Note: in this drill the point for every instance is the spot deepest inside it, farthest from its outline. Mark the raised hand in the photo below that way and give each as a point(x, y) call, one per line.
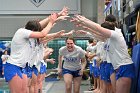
point(60, 33)
point(64, 11)
point(63, 18)
point(69, 33)
point(77, 22)
point(80, 18)
point(53, 17)
point(81, 32)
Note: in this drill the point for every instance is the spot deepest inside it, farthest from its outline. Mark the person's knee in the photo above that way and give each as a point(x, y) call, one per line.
point(76, 91)
point(68, 87)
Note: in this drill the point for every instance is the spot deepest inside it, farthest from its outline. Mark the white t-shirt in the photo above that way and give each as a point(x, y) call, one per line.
point(33, 55)
point(72, 60)
point(20, 48)
point(5, 57)
point(99, 48)
point(100, 51)
point(39, 56)
point(92, 50)
point(117, 52)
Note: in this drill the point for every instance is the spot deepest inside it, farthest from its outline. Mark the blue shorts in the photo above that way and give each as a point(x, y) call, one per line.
point(31, 70)
point(25, 70)
point(102, 71)
point(73, 73)
point(34, 69)
point(91, 69)
point(42, 69)
point(109, 70)
point(125, 71)
point(96, 71)
point(11, 70)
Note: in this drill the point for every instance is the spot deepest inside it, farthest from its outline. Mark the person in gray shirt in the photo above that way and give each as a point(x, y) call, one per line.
point(74, 63)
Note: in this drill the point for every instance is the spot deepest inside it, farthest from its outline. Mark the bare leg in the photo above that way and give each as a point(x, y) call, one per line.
point(113, 82)
point(40, 79)
point(33, 86)
point(68, 83)
point(95, 84)
point(40, 87)
point(98, 85)
point(109, 89)
point(104, 89)
point(77, 83)
point(39, 82)
point(101, 86)
point(17, 84)
point(28, 85)
point(25, 83)
point(123, 85)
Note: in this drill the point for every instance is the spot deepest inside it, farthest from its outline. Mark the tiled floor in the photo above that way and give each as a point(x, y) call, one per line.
point(49, 87)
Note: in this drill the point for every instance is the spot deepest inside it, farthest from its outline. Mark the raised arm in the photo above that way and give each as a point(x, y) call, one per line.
point(63, 12)
point(44, 22)
point(46, 30)
point(52, 36)
point(98, 36)
point(96, 27)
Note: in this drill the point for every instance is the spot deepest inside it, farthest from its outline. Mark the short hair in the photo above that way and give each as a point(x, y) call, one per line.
point(33, 25)
point(70, 38)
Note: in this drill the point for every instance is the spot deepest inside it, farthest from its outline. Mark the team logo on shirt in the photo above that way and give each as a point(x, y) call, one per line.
point(70, 59)
point(37, 3)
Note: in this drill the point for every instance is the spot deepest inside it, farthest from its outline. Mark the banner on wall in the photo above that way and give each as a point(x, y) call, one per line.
point(38, 6)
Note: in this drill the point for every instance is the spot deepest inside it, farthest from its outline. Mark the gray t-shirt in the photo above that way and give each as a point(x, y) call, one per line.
point(72, 60)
